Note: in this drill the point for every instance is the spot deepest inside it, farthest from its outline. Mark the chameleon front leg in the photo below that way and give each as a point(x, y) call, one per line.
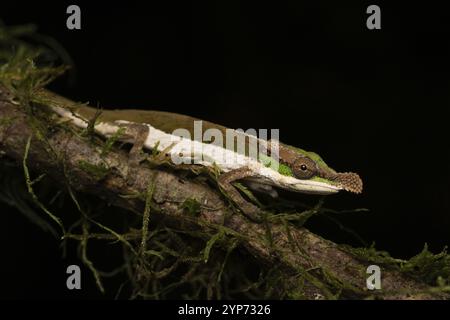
point(136, 134)
point(225, 181)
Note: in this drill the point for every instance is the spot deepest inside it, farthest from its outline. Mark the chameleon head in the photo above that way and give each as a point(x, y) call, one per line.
point(304, 167)
point(314, 173)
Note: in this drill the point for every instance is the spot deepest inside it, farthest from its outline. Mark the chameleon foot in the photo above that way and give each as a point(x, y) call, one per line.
point(225, 182)
point(137, 134)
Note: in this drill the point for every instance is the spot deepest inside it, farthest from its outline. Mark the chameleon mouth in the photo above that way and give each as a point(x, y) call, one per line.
point(348, 181)
point(316, 187)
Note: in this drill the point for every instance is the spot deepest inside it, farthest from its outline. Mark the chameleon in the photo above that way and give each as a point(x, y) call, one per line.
point(280, 166)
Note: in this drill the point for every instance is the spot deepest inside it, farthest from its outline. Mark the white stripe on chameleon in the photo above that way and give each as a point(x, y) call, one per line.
point(225, 159)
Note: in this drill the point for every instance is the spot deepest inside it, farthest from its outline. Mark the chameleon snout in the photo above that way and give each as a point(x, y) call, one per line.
point(349, 181)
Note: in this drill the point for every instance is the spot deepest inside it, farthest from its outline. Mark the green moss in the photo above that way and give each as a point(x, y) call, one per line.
point(111, 140)
point(25, 68)
point(7, 121)
point(191, 206)
point(371, 254)
point(29, 184)
point(99, 171)
point(215, 238)
point(428, 266)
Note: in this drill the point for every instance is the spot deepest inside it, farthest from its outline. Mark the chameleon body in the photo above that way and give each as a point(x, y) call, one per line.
point(297, 170)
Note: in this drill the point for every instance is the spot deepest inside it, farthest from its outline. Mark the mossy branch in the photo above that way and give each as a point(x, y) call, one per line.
point(311, 267)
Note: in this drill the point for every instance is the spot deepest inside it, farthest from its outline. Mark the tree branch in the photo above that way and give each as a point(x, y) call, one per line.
point(296, 251)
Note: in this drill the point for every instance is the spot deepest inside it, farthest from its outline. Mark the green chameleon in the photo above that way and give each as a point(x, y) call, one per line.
point(275, 164)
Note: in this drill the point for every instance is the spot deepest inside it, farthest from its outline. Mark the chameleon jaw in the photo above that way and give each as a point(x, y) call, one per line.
point(315, 187)
point(348, 181)
point(271, 177)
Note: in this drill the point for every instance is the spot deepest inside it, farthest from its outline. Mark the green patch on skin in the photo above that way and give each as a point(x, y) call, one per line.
point(97, 171)
point(320, 179)
point(287, 171)
point(282, 168)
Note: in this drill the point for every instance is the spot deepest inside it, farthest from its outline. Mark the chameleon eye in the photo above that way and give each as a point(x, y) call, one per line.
point(304, 168)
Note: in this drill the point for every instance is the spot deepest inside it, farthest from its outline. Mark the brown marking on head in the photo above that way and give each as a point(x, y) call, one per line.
point(349, 181)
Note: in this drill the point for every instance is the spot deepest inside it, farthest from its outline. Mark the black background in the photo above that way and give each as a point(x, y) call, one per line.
point(371, 101)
